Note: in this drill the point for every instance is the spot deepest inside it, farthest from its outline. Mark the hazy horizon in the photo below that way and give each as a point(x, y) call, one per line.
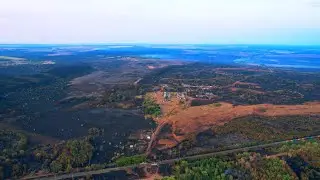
point(214, 22)
point(155, 44)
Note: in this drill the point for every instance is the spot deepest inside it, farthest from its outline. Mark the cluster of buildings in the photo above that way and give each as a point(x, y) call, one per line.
point(139, 141)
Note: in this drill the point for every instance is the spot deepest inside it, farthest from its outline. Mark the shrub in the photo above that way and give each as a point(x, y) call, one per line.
point(137, 159)
point(150, 107)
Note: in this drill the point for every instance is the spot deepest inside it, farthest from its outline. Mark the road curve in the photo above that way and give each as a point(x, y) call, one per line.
point(154, 137)
point(103, 171)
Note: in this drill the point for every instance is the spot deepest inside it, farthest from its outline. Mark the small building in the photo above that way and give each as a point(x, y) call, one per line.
point(181, 96)
point(166, 95)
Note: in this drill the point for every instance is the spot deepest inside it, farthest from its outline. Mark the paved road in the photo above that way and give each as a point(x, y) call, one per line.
point(103, 171)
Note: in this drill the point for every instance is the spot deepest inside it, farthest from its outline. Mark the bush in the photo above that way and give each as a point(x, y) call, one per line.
point(76, 153)
point(217, 104)
point(56, 167)
point(131, 160)
point(150, 107)
point(211, 168)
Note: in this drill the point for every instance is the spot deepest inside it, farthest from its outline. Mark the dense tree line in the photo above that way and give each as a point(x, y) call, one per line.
point(261, 168)
point(13, 147)
point(308, 150)
point(302, 157)
point(290, 161)
point(18, 158)
point(243, 166)
point(212, 168)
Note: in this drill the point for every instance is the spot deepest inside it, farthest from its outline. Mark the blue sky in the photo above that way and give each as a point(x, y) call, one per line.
point(160, 21)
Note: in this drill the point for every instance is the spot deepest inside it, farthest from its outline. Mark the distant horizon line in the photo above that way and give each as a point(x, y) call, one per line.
point(199, 44)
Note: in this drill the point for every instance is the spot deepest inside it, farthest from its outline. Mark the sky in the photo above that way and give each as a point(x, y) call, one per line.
point(161, 21)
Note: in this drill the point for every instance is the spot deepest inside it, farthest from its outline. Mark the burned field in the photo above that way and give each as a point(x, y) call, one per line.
point(58, 106)
point(118, 106)
point(64, 101)
point(97, 100)
point(211, 102)
point(246, 85)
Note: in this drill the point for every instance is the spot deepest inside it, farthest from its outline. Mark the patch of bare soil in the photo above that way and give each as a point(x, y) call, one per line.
point(151, 67)
point(199, 118)
point(162, 65)
point(153, 177)
point(166, 143)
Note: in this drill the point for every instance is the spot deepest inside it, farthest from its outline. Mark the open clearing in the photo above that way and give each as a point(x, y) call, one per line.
point(192, 120)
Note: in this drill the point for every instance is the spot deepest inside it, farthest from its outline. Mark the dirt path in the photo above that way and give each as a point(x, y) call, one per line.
point(137, 81)
point(167, 108)
point(154, 137)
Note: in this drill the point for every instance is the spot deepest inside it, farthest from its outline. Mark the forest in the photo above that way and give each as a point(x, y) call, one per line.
point(18, 158)
point(286, 162)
